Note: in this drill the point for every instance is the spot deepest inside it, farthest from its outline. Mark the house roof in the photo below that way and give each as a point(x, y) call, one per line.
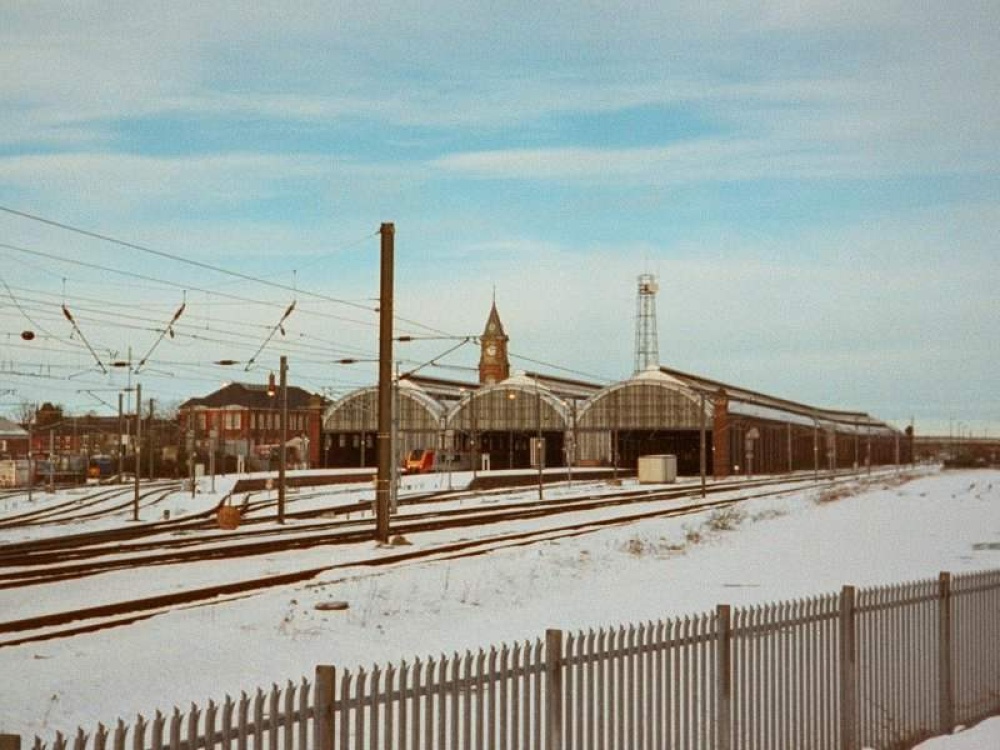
point(10, 429)
point(249, 395)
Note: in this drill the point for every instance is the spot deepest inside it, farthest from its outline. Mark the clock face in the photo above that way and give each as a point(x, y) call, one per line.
point(491, 350)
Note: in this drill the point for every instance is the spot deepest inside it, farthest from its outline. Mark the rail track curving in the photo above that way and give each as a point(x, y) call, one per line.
point(196, 539)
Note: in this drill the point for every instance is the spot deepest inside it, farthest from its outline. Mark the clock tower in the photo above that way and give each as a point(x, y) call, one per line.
point(493, 363)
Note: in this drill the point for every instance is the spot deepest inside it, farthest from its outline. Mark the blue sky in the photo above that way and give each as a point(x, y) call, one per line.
point(815, 184)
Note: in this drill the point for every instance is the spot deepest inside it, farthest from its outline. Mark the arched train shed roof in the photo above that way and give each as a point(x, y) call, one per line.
point(516, 404)
point(748, 403)
point(358, 411)
point(652, 400)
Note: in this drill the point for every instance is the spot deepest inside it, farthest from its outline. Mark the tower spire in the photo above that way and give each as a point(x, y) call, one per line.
point(494, 364)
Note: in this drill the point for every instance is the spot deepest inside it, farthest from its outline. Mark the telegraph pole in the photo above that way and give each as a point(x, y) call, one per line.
point(384, 446)
point(138, 449)
point(283, 385)
point(149, 429)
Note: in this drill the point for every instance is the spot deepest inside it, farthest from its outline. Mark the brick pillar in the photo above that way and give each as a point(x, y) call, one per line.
point(720, 436)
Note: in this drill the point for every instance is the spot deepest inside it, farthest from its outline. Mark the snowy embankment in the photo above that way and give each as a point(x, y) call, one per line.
point(794, 546)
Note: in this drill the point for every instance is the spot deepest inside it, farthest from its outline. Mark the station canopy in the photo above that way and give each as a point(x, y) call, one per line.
point(520, 404)
point(651, 400)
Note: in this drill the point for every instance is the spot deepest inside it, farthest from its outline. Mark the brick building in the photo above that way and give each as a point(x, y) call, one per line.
point(245, 421)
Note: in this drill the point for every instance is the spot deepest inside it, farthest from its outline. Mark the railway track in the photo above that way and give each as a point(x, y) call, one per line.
point(43, 569)
point(167, 543)
point(101, 502)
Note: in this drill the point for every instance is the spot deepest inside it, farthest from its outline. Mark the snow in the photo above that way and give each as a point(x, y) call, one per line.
point(885, 530)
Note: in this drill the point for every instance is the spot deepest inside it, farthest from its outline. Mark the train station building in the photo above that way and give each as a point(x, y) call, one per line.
point(507, 420)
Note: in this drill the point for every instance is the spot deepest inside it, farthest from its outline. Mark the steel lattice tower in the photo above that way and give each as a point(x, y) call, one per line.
point(647, 352)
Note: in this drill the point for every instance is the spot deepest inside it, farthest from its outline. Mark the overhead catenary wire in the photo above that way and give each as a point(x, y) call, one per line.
point(172, 256)
point(97, 309)
point(578, 373)
point(201, 264)
point(275, 329)
point(69, 317)
point(17, 304)
point(169, 328)
point(231, 338)
point(162, 282)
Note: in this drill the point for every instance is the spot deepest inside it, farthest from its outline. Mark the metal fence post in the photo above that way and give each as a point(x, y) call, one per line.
point(553, 689)
point(723, 677)
point(848, 672)
point(10, 742)
point(323, 707)
point(946, 688)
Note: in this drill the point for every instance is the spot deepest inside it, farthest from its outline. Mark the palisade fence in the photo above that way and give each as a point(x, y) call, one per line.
point(877, 668)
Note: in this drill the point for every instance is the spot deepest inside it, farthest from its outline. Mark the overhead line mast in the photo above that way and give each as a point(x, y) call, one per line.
point(647, 353)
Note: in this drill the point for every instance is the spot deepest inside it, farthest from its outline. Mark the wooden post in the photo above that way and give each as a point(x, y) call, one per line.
point(946, 688)
point(553, 689)
point(10, 742)
point(325, 692)
point(384, 438)
point(723, 676)
point(848, 671)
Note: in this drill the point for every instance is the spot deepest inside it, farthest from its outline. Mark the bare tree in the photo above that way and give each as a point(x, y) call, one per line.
point(24, 413)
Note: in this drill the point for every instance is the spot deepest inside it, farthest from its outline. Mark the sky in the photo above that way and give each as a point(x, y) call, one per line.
point(815, 184)
point(879, 532)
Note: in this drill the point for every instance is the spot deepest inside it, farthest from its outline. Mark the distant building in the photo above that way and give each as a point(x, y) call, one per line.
point(62, 438)
point(510, 420)
point(13, 439)
point(244, 419)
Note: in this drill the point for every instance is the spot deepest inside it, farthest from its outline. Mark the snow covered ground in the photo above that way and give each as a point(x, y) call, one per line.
point(776, 549)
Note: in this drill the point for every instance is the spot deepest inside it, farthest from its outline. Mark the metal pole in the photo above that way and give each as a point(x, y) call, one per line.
point(212, 446)
point(571, 451)
point(475, 436)
point(701, 445)
point(868, 448)
point(138, 449)
point(384, 476)
point(192, 454)
point(791, 467)
point(539, 450)
point(283, 384)
point(614, 438)
point(815, 450)
point(52, 460)
point(118, 449)
point(31, 462)
point(150, 431)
